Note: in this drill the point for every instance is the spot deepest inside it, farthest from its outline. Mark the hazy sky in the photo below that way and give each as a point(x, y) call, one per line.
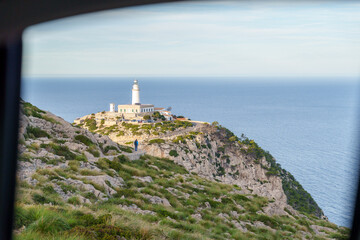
point(221, 38)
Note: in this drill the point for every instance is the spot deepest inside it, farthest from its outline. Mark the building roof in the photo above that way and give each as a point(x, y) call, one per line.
point(147, 105)
point(158, 109)
point(135, 105)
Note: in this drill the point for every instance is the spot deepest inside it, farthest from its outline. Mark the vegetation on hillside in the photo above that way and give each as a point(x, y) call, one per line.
point(126, 128)
point(66, 193)
point(197, 209)
point(30, 110)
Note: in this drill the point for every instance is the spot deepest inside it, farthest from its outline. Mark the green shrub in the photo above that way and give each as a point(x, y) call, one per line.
point(48, 189)
point(89, 172)
point(240, 198)
point(121, 133)
point(49, 223)
point(106, 232)
point(85, 140)
point(93, 151)
point(49, 119)
point(109, 147)
point(35, 132)
point(122, 158)
point(179, 139)
point(63, 151)
point(40, 199)
point(81, 158)
point(173, 153)
point(24, 157)
point(90, 196)
point(115, 164)
point(102, 163)
point(91, 124)
point(157, 140)
point(31, 110)
point(74, 200)
point(67, 188)
point(169, 165)
point(125, 148)
point(59, 141)
point(23, 217)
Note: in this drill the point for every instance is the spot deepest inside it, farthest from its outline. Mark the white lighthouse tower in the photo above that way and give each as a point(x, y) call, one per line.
point(135, 93)
point(112, 107)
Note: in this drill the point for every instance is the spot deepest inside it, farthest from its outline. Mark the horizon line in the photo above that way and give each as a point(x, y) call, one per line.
point(183, 76)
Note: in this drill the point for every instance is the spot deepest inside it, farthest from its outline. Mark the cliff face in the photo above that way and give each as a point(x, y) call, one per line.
point(75, 184)
point(215, 153)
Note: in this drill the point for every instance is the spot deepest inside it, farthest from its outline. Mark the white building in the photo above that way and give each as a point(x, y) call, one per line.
point(136, 110)
point(167, 114)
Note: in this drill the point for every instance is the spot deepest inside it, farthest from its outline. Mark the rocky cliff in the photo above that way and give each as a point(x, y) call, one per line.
point(75, 184)
point(216, 153)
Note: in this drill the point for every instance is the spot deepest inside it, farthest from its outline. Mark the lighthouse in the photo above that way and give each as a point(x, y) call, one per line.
point(135, 93)
point(135, 109)
point(112, 107)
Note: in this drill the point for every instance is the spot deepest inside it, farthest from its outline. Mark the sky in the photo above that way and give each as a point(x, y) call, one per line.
point(201, 38)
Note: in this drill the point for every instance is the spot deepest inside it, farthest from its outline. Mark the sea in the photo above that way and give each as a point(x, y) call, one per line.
point(311, 126)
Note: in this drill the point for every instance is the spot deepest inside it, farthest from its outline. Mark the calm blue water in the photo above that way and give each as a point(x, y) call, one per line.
point(311, 129)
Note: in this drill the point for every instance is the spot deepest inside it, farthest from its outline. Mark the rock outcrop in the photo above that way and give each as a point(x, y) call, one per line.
point(216, 153)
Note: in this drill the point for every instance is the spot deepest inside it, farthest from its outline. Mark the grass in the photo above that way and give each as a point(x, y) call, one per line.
point(67, 188)
point(81, 158)
point(74, 200)
point(125, 148)
point(31, 110)
point(35, 132)
point(157, 140)
point(106, 219)
point(91, 124)
point(59, 150)
point(93, 150)
point(108, 148)
point(50, 119)
point(24, 157)
point(89, 172)
point(42, 199)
